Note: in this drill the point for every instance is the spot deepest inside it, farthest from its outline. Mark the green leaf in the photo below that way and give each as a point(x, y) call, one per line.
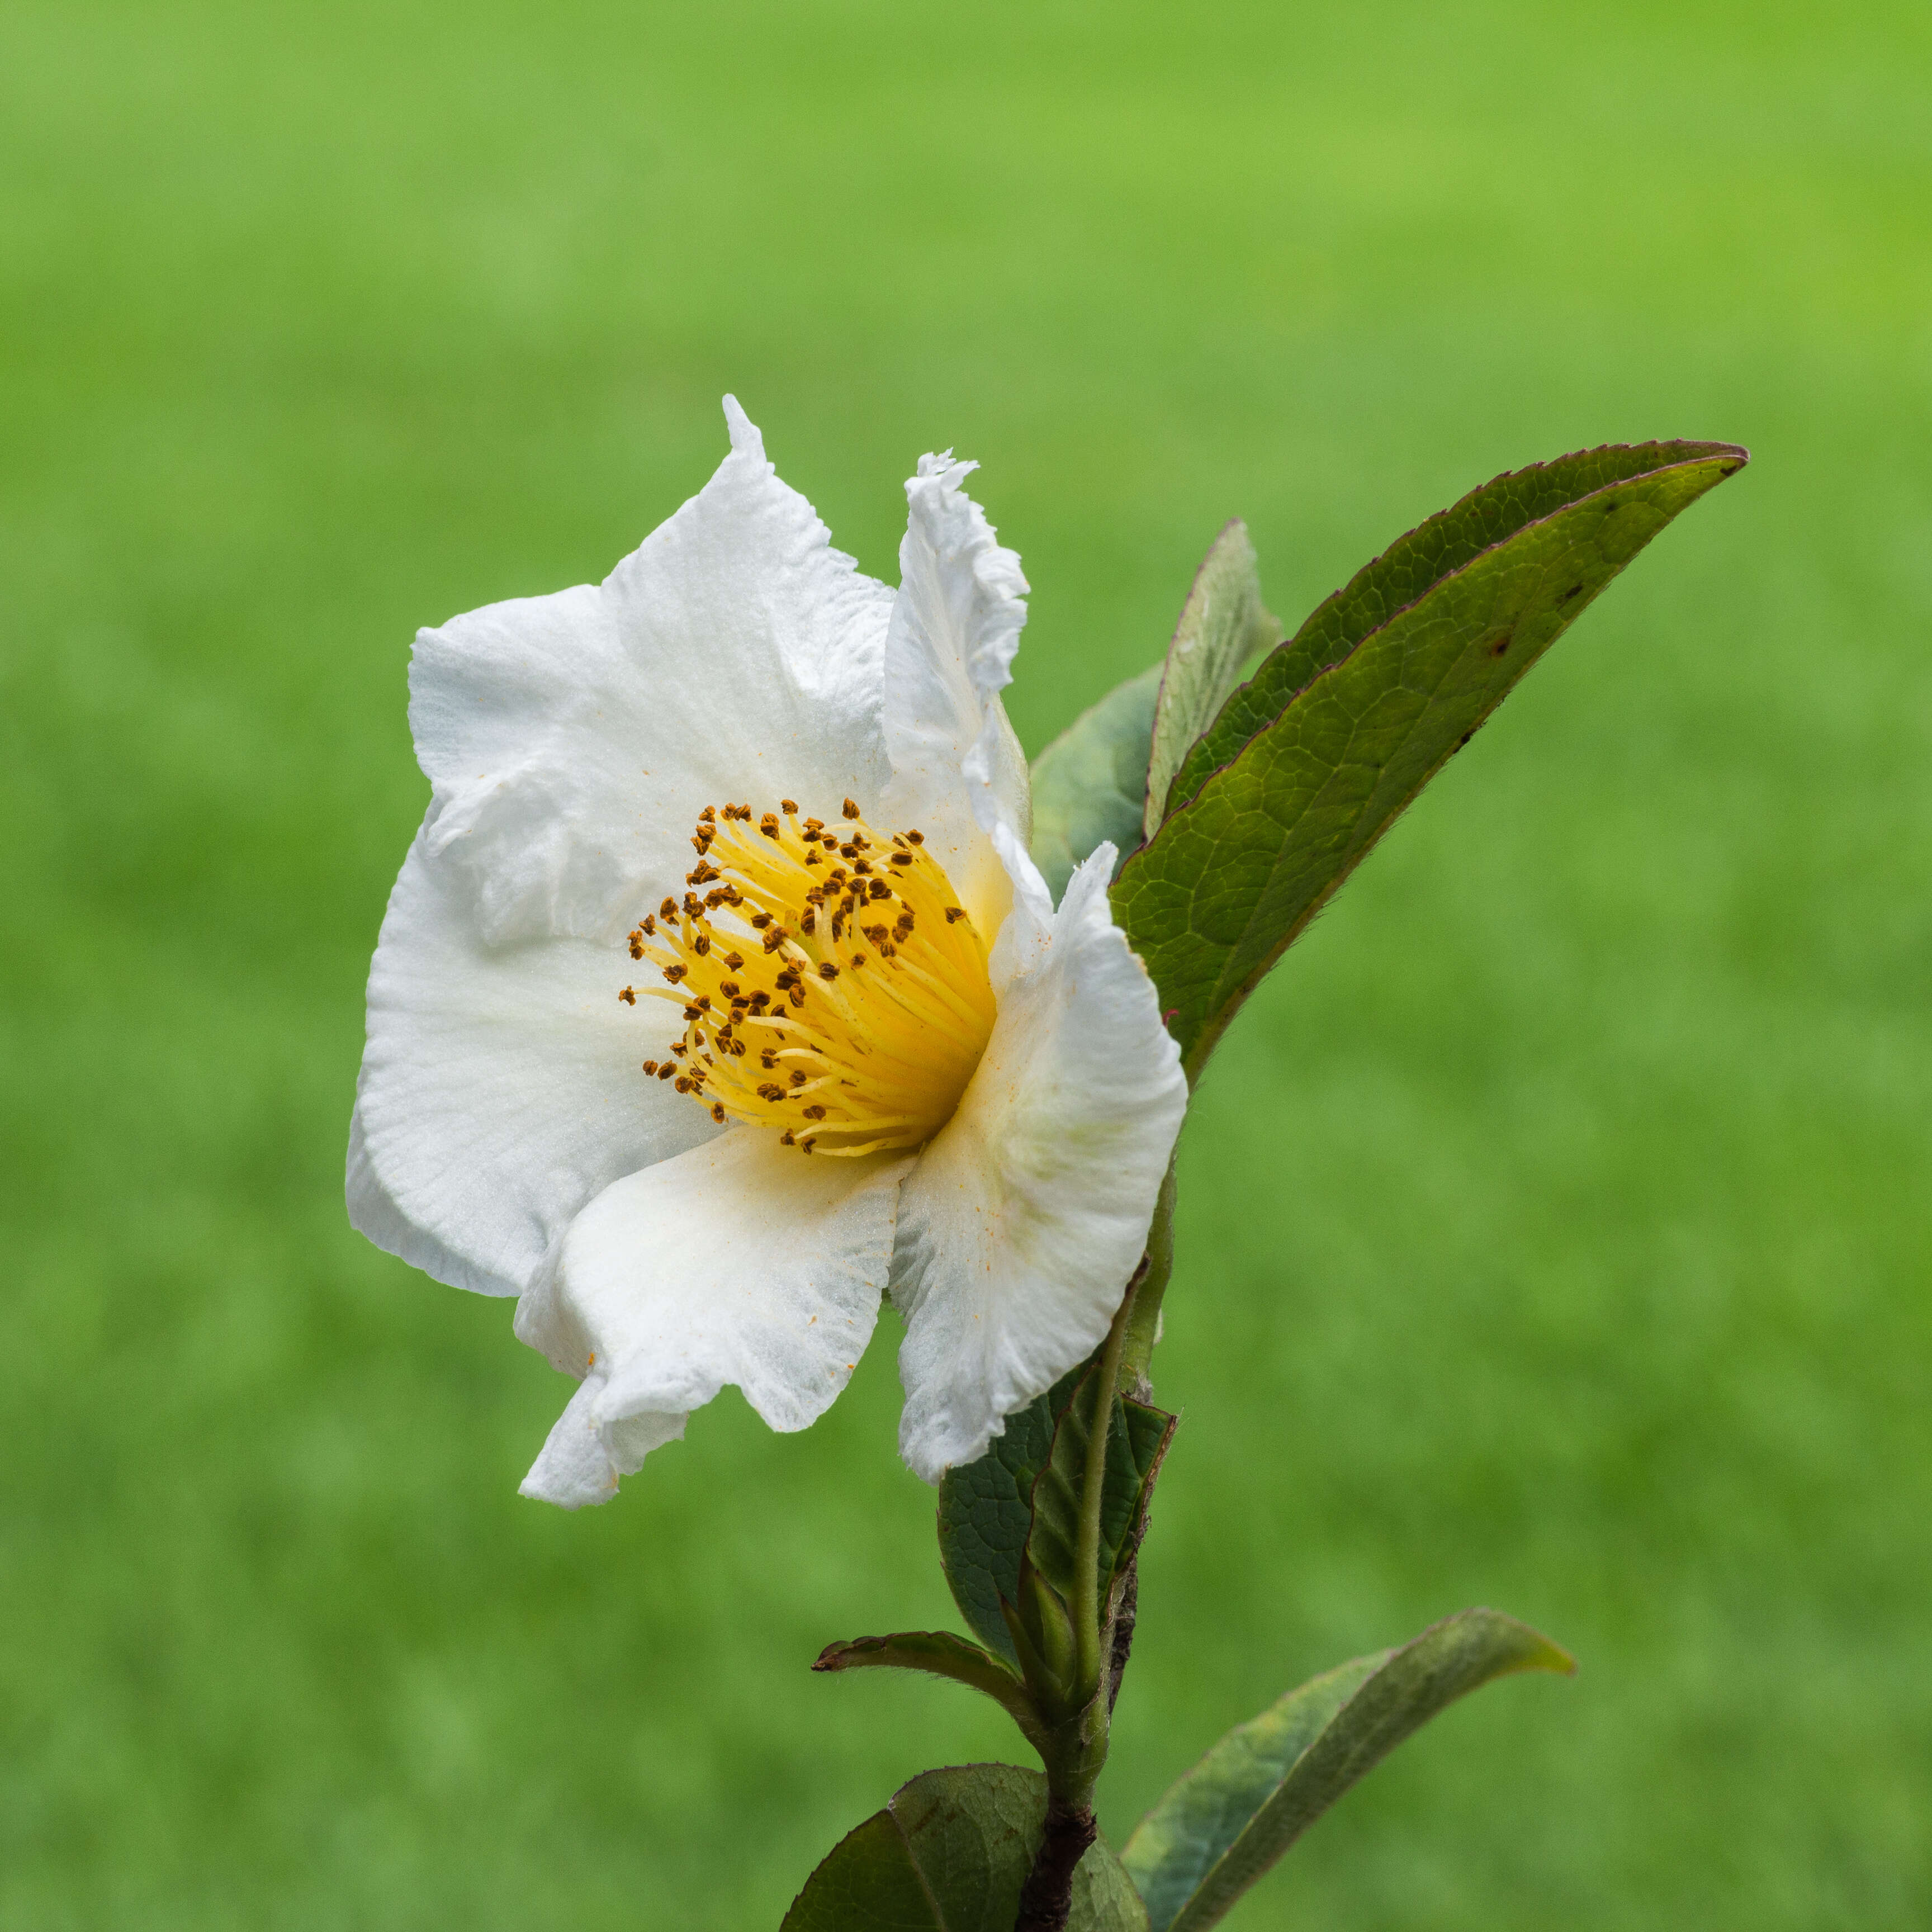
point(1312, 760)
point(1134, 1458)
point(1136, 1440)
point(985, 1515)
point(938, 1654)
point(1225, 1823)
point(950, 1854)
point(1090, 785)
point(1223, 623)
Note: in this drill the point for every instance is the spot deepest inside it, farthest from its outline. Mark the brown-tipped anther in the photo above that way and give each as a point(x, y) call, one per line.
point(650, 1067)
point(702, 1002)
point(915, 837)
point(851, 810)
point(704, 874)
point(771, 1091)
point(796, 996)
point(669, 1068)
point(629, 996)
point(954, 914)
point(799, 1079)
point(787, 1139)
point(858, 959)
point(814, 1112)
point(701, 945)
point(650, 926)
point(637, 946)
point(693, 905)
point(735, 960)
point(683, 1083)
point(879, 889)
point(730, 989)
point(708, 815)
point(768, 1059)
point(761, 919)
point(901, 859)
point(668, 910)
point(718, 1112)
point(827, 970)
point(675, 971)
point(789, 806)
point(768, 825)
point(814, 825)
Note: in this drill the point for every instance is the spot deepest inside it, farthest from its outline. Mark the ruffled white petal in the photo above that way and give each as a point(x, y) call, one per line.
point(1019, 1228)
point(582, 1458)
point(741, 1261)
point(958, 771)
point(500, 1089)
point(570, 742)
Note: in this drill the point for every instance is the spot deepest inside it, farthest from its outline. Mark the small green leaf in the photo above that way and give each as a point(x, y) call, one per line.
point(1227, 1821)
point(1136, 1441)
point(1312, 760)
point(1223, 623)
point(938, 1654)
point(1134, 1458)
point(1090, 785)
point(985, 1515)
point(950, 1853)
point(1056, 1491)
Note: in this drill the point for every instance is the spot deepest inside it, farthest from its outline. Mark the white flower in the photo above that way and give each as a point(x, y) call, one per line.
point(885, 1059)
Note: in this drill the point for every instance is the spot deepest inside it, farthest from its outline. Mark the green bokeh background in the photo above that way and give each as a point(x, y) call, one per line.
point(1554, 1225)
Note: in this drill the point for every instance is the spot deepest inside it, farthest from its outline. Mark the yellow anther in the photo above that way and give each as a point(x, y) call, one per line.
point(876, 1059)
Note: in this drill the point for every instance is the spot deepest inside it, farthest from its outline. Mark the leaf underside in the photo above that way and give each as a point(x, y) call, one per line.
point(1223, 623)
point(1226, 1821)
point(985, 1515)
point(950, 1853)
point(1019, 1500)
point(1136, 1438)
point(1309, 762)
point(1090, 785)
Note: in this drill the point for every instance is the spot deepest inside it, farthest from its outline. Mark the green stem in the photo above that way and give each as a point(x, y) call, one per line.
point(1087, 1546)
point(1144, 1320)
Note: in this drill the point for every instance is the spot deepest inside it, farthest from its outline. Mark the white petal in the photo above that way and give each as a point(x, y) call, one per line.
point(501, 1088)
point(582, 1458)
point(572, 740)
point(741, 1261)
point(1024, 1218)
point(957, 770)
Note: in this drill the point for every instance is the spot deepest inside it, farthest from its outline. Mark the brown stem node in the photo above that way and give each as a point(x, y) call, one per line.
point(1047, 1899)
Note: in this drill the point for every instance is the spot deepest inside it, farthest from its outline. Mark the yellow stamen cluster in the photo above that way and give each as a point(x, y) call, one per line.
point(831, 987)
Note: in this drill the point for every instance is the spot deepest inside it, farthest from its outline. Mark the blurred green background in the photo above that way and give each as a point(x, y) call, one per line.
point(1555, 1226)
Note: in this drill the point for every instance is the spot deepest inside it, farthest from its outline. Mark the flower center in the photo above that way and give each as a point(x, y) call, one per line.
point(831, 985)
